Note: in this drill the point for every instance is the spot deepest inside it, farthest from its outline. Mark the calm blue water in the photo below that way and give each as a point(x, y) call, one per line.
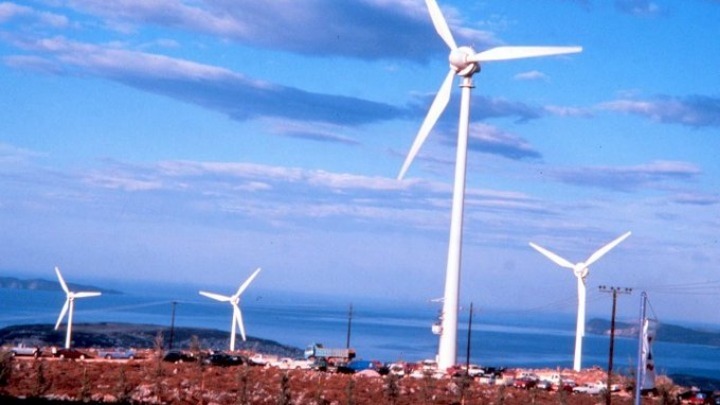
point(380, 330)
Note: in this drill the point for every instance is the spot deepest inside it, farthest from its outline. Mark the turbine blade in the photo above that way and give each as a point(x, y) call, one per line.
point(63, 311)
point(238, 316)
point(62, 282)
point(440, 23)
point(216, 297)
point(436, 109)
point(247, 283)
point(597, 255)
point(552, 256)
point(520, 52)
point(86, 294)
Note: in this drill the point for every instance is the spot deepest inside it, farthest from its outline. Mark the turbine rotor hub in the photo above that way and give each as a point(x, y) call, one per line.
point(581, 270)
point(459, 61)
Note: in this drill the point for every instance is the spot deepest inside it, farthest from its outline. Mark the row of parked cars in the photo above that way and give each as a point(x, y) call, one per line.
point(63, 353)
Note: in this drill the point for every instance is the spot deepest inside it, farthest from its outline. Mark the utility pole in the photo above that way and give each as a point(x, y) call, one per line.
point(172, 325)
point(350, 314)
point(467, 355)
point(614, 291)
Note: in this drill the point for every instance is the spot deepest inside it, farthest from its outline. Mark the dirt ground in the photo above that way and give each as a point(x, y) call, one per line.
point(153, 381)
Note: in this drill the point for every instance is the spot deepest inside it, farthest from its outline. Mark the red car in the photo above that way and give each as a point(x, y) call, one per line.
point(70, 354)
point(524, 383)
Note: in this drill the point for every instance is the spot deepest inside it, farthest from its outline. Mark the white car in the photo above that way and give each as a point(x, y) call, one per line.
point(475, 371)
point(262, 359)
point(287, 363)
point(591, 388)
point(23, 350)
point(398, 369)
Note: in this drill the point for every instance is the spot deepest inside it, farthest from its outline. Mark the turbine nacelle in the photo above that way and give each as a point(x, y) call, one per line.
point(581, 270)
point(460, 63)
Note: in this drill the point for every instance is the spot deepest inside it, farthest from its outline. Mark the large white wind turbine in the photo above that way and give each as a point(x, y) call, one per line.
point(234, 300)
point(464, 62)
point(70, 305)
point(581, 271)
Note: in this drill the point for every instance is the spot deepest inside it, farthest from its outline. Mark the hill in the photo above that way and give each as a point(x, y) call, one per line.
point(48, 285)
point(108, 335)
point(665, 332)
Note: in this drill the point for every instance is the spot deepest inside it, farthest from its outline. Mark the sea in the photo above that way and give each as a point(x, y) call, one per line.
point(379, 329)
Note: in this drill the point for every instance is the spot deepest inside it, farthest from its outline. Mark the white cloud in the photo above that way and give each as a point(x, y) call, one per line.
point(531, 75)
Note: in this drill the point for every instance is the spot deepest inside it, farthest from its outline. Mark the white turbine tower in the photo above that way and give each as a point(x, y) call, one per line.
point(581, 271)
point(234, 300)
point(70, 305)
point(464, 62)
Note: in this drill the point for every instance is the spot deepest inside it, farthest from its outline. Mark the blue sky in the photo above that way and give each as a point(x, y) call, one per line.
point(195, 140)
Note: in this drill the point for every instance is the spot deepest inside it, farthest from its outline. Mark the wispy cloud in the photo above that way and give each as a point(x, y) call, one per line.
point(215, 88)
point(366, 29)
point(27, 15)
point(314, 131)
point(532, 75)
point(641, 8)
point(11, 155)
point(629, 178)
point(702, 199)
point(489, 139)
point(693, 111)
point(263, 195)
point(564, 111)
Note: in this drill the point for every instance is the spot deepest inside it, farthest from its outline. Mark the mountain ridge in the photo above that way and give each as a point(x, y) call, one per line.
point(42, 284)
point(665, 332)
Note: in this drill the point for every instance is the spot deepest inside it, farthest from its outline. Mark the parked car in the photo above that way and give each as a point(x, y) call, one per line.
point(22, 350)
point(259, 359)
point(524, 383)
point(286, 363)
point(223, 359)
point(178, 356)
point(544, 385)
point(696, 397)
point(461, 370)
point(591, 388)
point(360, 365)
point(487, 379)
point(70, 354)
point(397, 369)
point(566, 385)
point(117, 354)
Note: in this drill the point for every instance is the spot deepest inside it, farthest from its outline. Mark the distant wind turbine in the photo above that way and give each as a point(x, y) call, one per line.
point(464, 62)
point(70, 305)
point(581, 271)
point(234, 300)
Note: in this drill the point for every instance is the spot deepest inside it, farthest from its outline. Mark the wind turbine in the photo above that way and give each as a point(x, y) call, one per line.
point(70, 305)
point(581, 271)
point(234, 300)
point(464, 62)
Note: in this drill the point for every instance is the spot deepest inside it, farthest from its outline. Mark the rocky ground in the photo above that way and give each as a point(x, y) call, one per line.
point(150, 380)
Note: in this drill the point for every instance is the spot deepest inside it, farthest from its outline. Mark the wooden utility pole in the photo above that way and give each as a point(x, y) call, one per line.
point(467, 355)
point(172, 325)
point(350, 314)
point(614, 291)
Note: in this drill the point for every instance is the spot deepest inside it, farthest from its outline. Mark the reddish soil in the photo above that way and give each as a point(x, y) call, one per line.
point(153, 381)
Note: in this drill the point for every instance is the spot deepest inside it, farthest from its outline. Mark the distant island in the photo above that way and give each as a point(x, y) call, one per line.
point(138, 336)
point(48, 285)
point(665, 332)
